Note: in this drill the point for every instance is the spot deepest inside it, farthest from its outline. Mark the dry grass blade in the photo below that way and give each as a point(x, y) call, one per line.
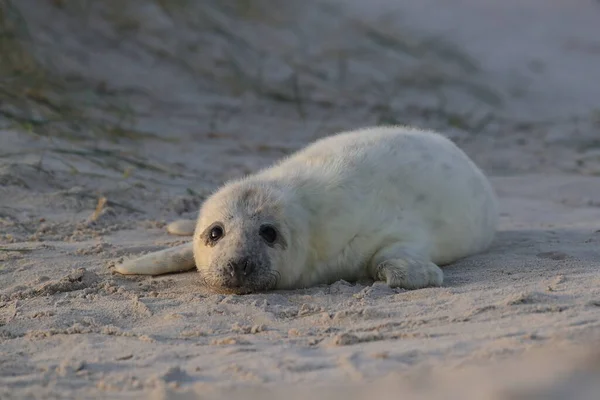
point(99, 207)
point(17, 249)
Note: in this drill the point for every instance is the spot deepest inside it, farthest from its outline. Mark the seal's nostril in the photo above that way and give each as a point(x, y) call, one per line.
point(248, 268)
point(230, 269)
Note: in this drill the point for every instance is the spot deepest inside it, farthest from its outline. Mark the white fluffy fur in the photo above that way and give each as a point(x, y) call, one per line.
point(391, 203)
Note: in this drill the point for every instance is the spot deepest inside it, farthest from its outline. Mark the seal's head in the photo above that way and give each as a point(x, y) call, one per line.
point(250, 236)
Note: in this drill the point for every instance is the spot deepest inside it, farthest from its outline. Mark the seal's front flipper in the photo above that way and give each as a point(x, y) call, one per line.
point(407, 273)
point(174, 259)
point(182, 227)
point(400, 267)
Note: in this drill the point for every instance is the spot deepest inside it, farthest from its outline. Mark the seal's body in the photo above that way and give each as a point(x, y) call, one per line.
point(390, 203)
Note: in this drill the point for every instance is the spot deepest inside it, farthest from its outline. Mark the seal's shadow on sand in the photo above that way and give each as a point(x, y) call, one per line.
point(528, 254)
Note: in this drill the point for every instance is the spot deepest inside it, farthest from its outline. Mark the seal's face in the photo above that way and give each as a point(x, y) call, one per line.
point(241, 240)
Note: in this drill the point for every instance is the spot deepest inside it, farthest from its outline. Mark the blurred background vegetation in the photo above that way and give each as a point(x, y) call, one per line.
point(88, 69)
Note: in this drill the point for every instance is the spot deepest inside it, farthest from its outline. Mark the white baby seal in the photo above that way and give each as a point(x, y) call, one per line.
point(389, 203)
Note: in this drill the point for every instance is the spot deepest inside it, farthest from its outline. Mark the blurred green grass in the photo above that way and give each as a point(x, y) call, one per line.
point(300, 56)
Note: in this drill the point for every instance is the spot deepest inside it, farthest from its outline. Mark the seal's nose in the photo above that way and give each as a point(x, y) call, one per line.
point(239, 269)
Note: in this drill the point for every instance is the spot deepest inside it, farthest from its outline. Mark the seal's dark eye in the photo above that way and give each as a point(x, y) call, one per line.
point(215, 233)
point(268, 233)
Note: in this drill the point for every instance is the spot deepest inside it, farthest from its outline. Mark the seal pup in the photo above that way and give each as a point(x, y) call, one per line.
point(388, 203)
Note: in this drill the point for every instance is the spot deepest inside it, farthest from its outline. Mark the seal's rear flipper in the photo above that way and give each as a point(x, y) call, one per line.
point(182, 227)
point(174, 259)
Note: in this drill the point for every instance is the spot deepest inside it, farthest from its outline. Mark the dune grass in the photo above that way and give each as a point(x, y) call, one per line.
point(275, 50)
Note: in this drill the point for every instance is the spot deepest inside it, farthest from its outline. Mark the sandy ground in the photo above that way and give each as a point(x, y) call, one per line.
point(142, 111)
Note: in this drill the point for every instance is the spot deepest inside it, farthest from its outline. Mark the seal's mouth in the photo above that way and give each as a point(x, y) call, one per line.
point(227, 290)
point(224, 284)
